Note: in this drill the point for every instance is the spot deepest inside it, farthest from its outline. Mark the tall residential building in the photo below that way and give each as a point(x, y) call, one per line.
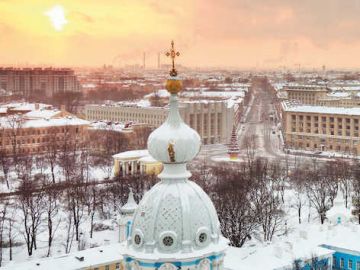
point(41, 81)
point(321, 128)
point(213, 120)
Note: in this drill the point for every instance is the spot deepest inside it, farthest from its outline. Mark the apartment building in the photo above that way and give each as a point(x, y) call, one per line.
point(37, 131)
point(321, 128)
point(306, 94)
point(31, 81)
point(212, 119)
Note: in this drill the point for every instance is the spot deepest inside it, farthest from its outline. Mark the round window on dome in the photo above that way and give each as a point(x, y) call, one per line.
point(168, 241)
point(202, 237)
point(137, 239)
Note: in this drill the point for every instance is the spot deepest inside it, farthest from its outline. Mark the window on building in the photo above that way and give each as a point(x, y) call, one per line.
point(350, 265)
point(117, 266)
point(357, 265)
point(107, 267)
point(342, 263)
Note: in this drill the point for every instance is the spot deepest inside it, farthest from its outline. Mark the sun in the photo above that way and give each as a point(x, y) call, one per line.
point(57, 17)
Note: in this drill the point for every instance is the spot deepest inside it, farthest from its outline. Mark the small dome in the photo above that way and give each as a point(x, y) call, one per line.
point(165, 221)
point(174, 141)
point(130, 206)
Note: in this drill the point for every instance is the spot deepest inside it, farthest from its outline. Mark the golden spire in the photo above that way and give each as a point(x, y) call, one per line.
point(173, 84)
point(172, 54)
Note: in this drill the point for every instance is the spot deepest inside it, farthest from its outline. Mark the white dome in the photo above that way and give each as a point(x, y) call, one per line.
point(166, 220)
point(175, 220)
point(174, 136)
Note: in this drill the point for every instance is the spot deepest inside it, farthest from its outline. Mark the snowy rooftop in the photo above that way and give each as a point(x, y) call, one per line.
point(271, 257)
point(135, 154)
point(110, 126)
point(38, 123)
point(320, 109)
point(91, 258)
point(43, 113)
point(25, 106)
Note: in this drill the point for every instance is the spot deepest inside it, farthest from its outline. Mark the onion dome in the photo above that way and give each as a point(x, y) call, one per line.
point(176, 223)
point(130, 206)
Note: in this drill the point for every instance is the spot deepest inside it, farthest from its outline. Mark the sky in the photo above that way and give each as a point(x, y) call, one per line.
point(208, 33)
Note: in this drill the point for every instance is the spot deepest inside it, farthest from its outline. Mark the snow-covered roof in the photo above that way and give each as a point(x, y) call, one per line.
point(109, 126)
point(92, 257)
point(38, 123)
point(273, 256)
point(25, 106)
point(42, 113)
point(133, 154)
point(338, 94)
point(320, 109)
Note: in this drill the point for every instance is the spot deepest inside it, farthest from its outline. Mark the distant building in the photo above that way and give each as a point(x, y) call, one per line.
point(306, 94)
point(135, 162)
point(321, 128)
point(41, 81)
point(212, 119)
point(35, 128)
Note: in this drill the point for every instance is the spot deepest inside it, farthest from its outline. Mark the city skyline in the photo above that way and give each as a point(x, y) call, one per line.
point(242, 34)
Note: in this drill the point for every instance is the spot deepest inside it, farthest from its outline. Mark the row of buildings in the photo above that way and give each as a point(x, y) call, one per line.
point(35, 128)
point(320, 118)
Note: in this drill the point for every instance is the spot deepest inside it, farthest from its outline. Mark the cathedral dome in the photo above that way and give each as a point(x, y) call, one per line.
point(165, 221)
point(175, 225)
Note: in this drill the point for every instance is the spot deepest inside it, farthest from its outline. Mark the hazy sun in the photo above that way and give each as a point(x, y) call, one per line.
point(57, 17)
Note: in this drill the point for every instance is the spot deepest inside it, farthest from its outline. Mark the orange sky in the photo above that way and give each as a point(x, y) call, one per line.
point(237, 33)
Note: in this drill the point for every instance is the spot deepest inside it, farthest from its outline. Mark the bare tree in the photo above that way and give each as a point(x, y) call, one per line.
point(92, 202)
point(321, 190)
point(356, 191)
point(3, 216)
point(232, 199)
point(298, 184)
point(75, 197)
point(52, 195)
point(267, 199)
point(52, 153)
point(31, 204)
point(70, 233)
point(344, 178)
point(5, 165)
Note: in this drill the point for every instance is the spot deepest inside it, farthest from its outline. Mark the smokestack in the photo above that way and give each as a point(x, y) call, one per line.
point(144, 61)
point(158, 63)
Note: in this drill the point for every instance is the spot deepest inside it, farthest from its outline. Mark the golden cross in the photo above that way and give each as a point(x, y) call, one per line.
point(172, 53)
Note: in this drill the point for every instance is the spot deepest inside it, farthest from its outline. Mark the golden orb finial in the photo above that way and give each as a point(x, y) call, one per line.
point(173, 85)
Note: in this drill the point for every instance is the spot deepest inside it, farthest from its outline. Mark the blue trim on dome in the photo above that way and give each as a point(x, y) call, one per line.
point(176, 263)
point(128, 229)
